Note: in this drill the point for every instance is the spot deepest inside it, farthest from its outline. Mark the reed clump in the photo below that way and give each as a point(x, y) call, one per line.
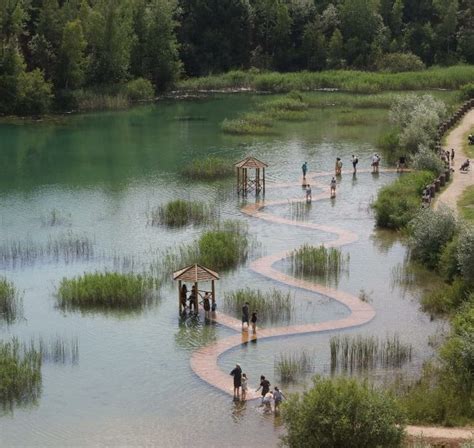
point(11, 302)
point(320, 261)
point(272, 306)
point(358, 353)
point(291, 366)
point(180, 213)
point(57, 350)
point(107, 290)
point(300, 210)
point(208, 168)
point(20, 374)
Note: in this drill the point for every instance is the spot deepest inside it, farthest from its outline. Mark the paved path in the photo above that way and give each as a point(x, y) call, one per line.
point(461, 181)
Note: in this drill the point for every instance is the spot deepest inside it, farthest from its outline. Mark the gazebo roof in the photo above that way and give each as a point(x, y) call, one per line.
point(195, 273)
point(250, 162)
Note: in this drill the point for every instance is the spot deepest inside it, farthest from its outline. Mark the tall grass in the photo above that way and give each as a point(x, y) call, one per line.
point(466, 203)
point(11, 302)
point(208, 168)
point(319, 261)
point(300, 210)
point(272, 306)
point(291, 366)
point(179, 213)
point(106, 291)
point(347, 80)
point(66, 247)
point(58, 349)
point(368, 352)
point(20, 374)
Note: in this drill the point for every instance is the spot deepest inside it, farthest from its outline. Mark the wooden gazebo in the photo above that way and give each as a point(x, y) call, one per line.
point(246, 183)
point(195, 274)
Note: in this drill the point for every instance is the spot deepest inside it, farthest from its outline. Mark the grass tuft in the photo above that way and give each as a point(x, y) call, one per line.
point(11, 302)
point(291, 366)
point(180, 213)
point(208, 168)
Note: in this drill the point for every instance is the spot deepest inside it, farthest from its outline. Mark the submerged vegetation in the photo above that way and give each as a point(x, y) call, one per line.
point(208, 168)
point(319, 261)
point(179, 213)
point(272, 306)
point(291, 366)
point(20, 374)
point(368, 352)
point(104, 291)
point(11, 302)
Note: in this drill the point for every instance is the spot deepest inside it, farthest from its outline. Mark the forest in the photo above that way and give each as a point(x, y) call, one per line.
point(56, 53)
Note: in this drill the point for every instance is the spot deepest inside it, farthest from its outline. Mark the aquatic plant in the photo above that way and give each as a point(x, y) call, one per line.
point(208, 168)
point(179, 213)
point(321, 261)
point(272, 306)
point(11, 302)
point(349, 353)
point(107, 290)
point(300, 210)
point(257, 125)
point(57, 349)
point(55, 218)
point(291, 366)
point(20, 374)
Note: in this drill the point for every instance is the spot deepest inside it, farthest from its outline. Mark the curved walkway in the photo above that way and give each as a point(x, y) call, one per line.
point(461, 181)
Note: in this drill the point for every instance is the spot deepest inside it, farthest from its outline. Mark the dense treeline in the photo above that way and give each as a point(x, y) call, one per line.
point(51, 48)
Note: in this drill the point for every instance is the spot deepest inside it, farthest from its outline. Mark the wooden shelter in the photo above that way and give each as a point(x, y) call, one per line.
point(246, 183)
point(195, 274)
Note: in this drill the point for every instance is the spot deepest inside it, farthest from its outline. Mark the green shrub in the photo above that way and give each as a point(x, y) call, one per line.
point(399, 62)
point(34, 94)
point(208, 168)
point(466, 254)
point(389, 141)
point(179, 213)
point(445, 299)
point(398, 203)
point(430, 231)
point(426, 160)
point(448, 265)
point(108, 290)
point(20, 374)
point(342, 412)
point(467, 91)
point(466, 203)
point(139, 89)
point(11, 303)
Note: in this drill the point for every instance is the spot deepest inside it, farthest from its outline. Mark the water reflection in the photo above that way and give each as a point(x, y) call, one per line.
point(194, 331)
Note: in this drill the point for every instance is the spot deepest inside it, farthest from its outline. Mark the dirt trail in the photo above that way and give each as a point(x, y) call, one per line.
point(461, 181)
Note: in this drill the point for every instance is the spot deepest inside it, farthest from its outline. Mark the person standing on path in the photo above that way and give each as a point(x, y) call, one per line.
point(253, 320)
point(452, 156)
point(333, 187)
point(237, 374)
point(355, 161)
point(245, 315)
point(338, 167)
point(304, 168)
point(309, 197)
point(264, 385)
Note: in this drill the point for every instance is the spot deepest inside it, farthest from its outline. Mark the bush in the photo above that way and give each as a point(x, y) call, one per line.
point(430, 231)
point(342, 412)
point(448, 265)
point(108, 290)
point(466, 254)
point(446, 299)
point(426, 160)
point(397, 203)
point(139, 89)
point(34, 94)
point(467, 91)
point(399, 62)
point(11, 305)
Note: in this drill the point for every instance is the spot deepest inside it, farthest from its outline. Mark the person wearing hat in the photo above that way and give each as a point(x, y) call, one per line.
point(237, 374)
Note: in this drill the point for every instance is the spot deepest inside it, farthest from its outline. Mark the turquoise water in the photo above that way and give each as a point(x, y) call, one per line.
point(102, 174)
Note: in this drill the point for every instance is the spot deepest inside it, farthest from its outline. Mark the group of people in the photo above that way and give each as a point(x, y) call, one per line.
point(208, 302)
point(246, 319)
point(269, 397)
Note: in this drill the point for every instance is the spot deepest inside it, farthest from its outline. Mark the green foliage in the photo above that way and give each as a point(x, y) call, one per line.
point(448, 264)
point(397, 203)
point(466, 254)
point(20, 374)
point(467, 91)
point(319, 261)
point(426, 159)
point(466, 203)
point(430, 231)
point(179, 213)
point(444, 300)
point(291, 366)
point(272, 306)
point(208, 168)
point(11, 302)
point(389, 141)
point(33, 94)
point(399, 62)
point(342, 412)
point(105, 291)
point(139, 90)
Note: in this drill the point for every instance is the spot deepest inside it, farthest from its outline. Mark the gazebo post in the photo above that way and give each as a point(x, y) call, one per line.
point(179, 297)
point(196, 300)
point(213, 286)
point(263, 180)
point(238, 180)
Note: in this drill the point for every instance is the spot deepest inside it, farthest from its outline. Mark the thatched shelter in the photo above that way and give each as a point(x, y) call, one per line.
point(195, 274)
point(246, 183)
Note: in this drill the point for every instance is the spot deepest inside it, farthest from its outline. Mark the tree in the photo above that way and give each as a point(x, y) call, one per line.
point(336, 50)
point(341, 412)
point(445, 31)
point(34, 93)
point(70, 71)
point(314, 45)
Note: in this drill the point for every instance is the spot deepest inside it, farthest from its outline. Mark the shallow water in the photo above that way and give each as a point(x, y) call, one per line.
point(102, 173)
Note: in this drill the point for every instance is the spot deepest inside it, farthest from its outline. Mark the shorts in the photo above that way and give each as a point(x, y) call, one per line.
point(245, 319)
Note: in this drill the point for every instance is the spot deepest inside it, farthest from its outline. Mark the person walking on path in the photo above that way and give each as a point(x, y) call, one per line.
point(245, 385)
point(452, 156)
point(333, 187)
point(278, 397)
point(237, 374)
point(309, 197)
point(355, 161)
point(375, 163)
point(304, 168)
point(253, 321)
point(264, 385)
point(338, 167)
point(245, 315)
